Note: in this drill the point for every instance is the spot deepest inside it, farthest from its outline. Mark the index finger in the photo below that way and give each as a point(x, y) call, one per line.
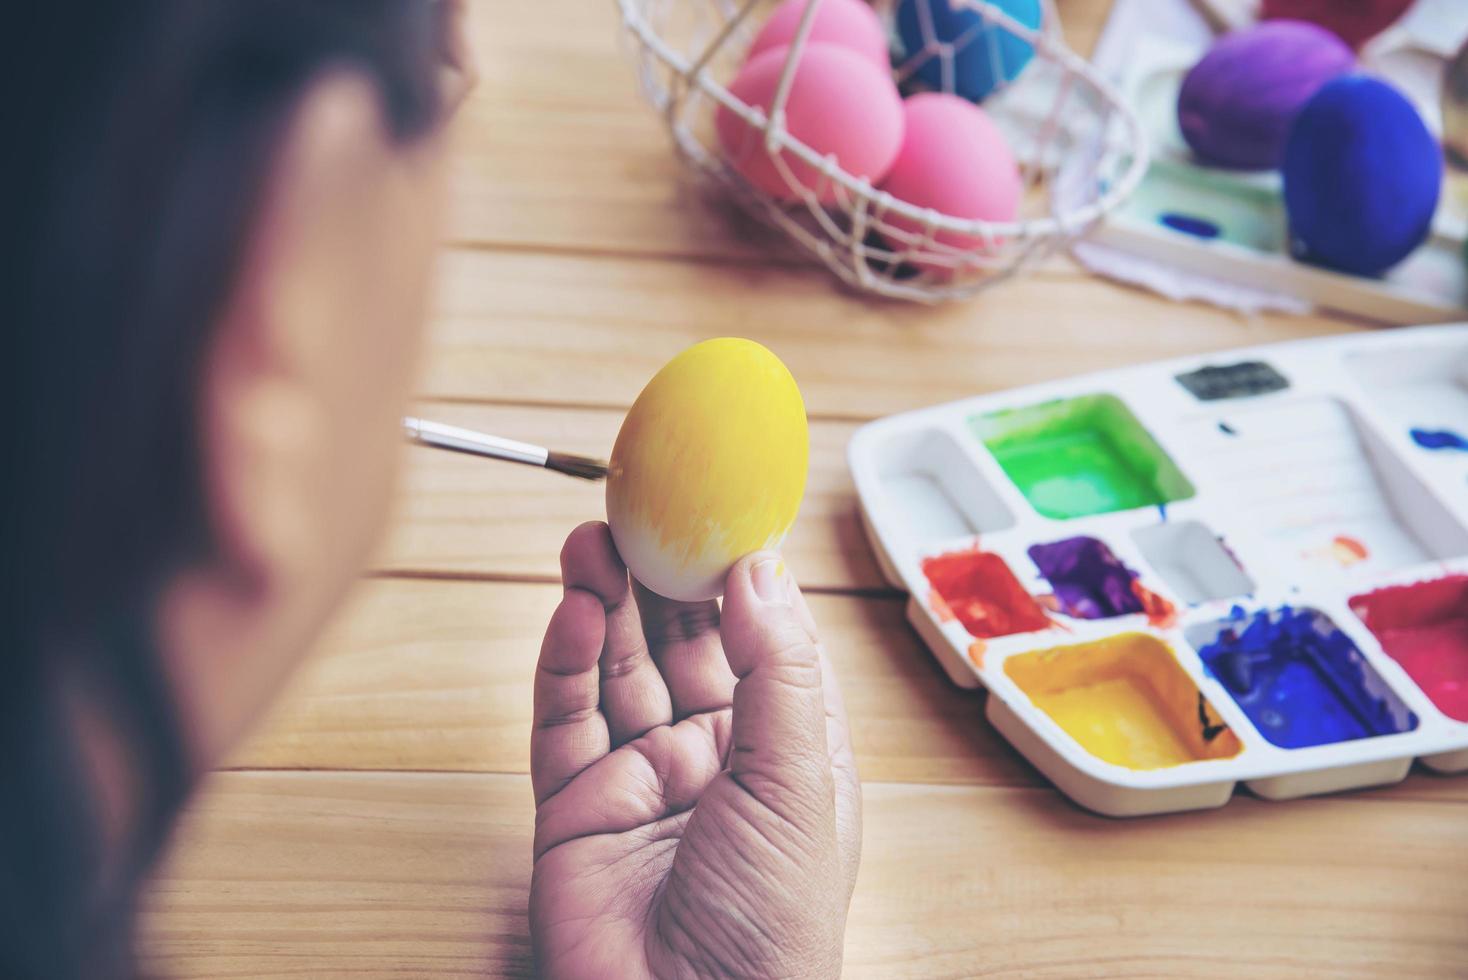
point(683, 638)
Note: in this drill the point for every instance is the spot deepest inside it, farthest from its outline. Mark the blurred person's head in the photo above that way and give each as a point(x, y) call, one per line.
point(220, 221)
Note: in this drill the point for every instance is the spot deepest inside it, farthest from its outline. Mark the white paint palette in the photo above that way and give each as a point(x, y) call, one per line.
point(1247, 568)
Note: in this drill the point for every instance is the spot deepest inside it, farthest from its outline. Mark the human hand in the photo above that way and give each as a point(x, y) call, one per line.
point(697, 806)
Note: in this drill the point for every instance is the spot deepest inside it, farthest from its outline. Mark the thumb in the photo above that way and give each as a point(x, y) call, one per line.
point(779, 728)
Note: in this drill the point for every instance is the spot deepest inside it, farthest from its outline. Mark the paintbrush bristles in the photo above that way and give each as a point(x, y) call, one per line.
point(583, 467)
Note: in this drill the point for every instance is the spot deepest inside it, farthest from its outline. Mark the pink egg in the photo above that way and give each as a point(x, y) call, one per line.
point(955, 161)
point(847, 23)
point(840, 105)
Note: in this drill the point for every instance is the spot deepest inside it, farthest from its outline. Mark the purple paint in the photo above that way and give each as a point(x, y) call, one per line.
point(1439, 439)
point(1089, 581)
point(1301, 681)
point(1237, 103)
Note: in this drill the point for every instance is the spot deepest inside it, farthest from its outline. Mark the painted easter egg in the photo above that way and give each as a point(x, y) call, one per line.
point(1362, 176)
point(1236, 105)
point(964, 53)
point(954, 160)
point(840, 105)
point(1353, 21)
point(709, 466)
point(845, 23)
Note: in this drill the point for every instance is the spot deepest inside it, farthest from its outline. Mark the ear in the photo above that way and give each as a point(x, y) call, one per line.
point(265, 413)
point(299, 399)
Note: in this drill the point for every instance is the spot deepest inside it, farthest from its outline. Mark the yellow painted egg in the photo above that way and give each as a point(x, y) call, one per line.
point(709, 466)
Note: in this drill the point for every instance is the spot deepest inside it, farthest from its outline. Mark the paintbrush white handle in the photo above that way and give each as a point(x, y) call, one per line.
point(476, 443)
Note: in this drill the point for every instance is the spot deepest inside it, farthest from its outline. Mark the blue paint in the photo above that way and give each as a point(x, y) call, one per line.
point(1439, 439)
point(986, 56)
point(1162, 513)
point(1362, 175)
point(1189, 225)
point(1227, 429)
point(1301, 681)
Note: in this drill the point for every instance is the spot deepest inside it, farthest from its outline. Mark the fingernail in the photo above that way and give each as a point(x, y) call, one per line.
point(771, 583)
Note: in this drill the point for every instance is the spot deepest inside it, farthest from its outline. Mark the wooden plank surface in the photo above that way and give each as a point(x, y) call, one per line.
point(557, 150)
point(437, 675)
point(587, 331)
point(378, 875)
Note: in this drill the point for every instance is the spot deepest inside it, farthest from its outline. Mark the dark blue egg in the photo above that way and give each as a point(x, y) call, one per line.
point(1361, 177)
point(985, 55)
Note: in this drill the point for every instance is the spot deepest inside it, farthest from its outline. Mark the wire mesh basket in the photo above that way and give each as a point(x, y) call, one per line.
point(1080, 149)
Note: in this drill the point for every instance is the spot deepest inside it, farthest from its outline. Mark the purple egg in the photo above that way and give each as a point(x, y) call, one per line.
point(1237, 104)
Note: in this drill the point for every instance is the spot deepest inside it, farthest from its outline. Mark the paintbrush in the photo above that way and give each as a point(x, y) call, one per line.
point(455, 439)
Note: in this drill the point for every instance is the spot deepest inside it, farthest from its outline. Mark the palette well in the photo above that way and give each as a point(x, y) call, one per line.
point(1126, 700)
point(1424, 627)
point(1081, 456)
point(1177, 578)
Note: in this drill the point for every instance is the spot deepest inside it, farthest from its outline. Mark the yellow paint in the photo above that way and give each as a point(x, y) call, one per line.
point(1126, 700)
point(709, 466)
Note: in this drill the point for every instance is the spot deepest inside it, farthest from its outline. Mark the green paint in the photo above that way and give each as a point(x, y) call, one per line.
point(1081, 456)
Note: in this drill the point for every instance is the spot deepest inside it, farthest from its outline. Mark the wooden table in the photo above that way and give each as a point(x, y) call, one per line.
point(379, 825)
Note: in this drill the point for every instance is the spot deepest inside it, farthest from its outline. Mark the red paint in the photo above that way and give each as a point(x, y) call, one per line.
point(1160, 613)
point(978, 589)
point(1424, 627)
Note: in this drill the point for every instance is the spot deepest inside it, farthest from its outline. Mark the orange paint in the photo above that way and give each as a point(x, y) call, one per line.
point(976, 653)
point(1347, 550)
point(939, 607)
point(1161, 614)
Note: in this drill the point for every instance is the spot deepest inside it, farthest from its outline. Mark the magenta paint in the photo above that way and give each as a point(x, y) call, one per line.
point(1424, 627)
point(1237, 104)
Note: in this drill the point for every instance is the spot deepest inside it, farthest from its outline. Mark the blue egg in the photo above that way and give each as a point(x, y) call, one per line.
point(1362, 176)
point(986, 55)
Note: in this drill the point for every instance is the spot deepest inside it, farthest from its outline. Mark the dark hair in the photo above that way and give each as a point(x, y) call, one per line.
point(139, 136)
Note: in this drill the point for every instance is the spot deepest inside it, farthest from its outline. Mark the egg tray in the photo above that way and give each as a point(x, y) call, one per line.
point(1231, 226)
point(1284, 488)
